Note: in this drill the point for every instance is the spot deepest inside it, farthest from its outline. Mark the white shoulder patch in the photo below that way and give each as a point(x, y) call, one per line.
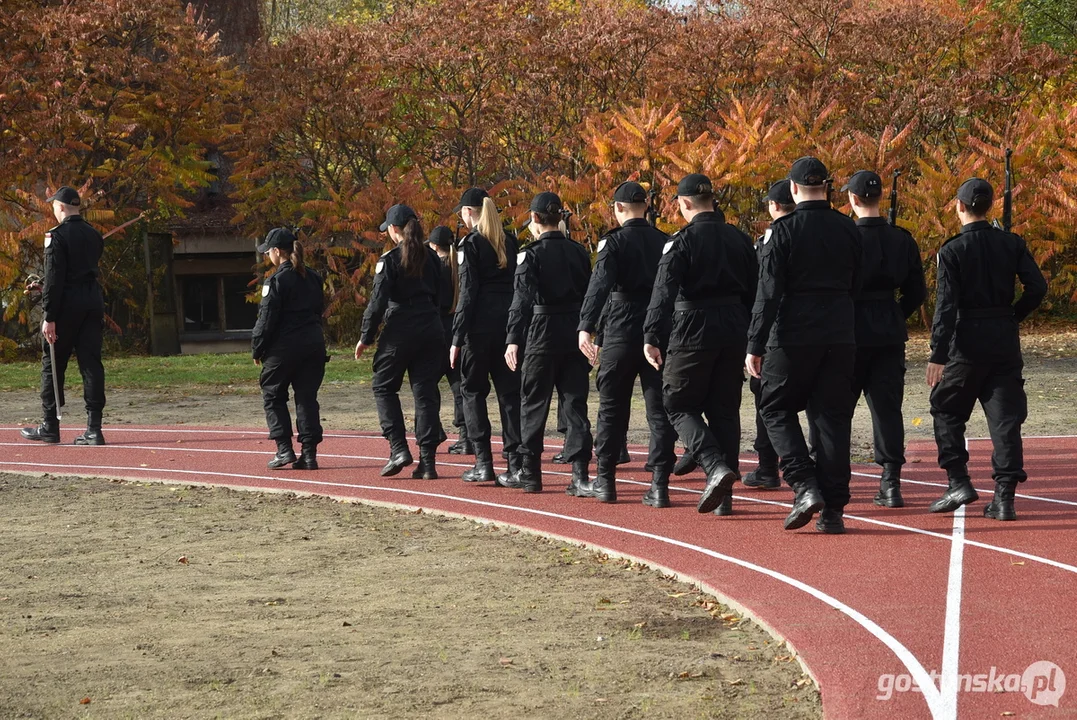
point(379, 266)
point(766, 236)
point(601, 244)
point(520, 257)
point(265, 290)
point(48, 239)
point(459, 257)
point(667, 247)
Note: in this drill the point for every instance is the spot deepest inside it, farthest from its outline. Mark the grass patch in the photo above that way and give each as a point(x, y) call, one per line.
point(139, 372)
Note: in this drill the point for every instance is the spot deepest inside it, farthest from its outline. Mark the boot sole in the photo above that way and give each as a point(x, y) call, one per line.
point(47, 441)
point(950, 507)
point(796, 522)
point(889, 503)
point(657, 504)
point(831, 529)
point(396, 470)
point(713, 498)
point(763, 485)
point(84, 443)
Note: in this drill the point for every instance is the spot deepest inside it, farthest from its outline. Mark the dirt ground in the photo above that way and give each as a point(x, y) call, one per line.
point(122, 600)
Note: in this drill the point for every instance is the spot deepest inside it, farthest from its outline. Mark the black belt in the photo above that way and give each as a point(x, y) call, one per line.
point(821, 293)
point(981, 313)
point(707, 303)
point(557, 309)
point(881, 295)
point(416, 302)
point(642, 296)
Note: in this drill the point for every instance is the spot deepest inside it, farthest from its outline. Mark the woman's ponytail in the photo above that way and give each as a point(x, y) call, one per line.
point(296, 256)
point(413, 248)
point(489, 226)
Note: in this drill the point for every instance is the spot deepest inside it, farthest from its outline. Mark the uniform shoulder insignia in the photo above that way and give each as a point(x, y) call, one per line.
point(767, 235)
point(668, 245)
point(602, 242)
point(379, 267)
point(520, 257)
point(48, 239)
point(459, 257)
point(265, 289)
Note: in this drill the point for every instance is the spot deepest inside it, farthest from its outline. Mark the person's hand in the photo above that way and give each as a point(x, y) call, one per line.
point(653, 355)
point(257, 361)
point(454, 355)
point(588, 347)
point(359, 348)
point(754, 365)
point(934, 373)
point(512, 356)
point(48, 329)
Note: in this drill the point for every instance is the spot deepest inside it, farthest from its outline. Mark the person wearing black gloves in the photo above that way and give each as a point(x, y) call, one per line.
point(891, 262)
point(706, 286)
point(624, 275)
point(550, 283)
point(407, 289)
point(487, 263)
point(976, 349)
point(442, 242)
point(288, 342)
point(74, 319)
point(803, 322)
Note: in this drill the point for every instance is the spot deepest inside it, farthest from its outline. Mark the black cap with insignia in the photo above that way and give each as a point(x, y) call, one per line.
point(278, 238)
point(546, 202)
point(472, 197)
point(809, 171)
point(66, 195)
point(442, 236)
point(398, 216)
point(781, 193)
point(865, 184)
point(693, 185)
point(977, 194)
point(630, 192)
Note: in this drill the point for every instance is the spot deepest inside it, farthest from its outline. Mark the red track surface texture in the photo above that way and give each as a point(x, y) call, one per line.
point(956, 603)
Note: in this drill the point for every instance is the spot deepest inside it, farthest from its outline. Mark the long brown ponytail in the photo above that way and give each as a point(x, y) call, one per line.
point(413, 248)
point(296, 256)
point(454, 265)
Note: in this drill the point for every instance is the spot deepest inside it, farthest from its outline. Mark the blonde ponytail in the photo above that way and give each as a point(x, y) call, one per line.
point(489, 226)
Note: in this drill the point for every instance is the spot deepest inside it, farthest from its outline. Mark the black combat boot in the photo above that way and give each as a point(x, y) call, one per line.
point(720, 479)
point(764, 477)
point(685, 465)
point(959, 493)
point(308, 457)
point(830, 522)
point(604, 486)
point(47, 432)
point(807, 500)
point(463, 445)
point(93, 435)
point(1001, 507)
point(514, 464)
point(399, 458)
point(658, 494)
point(528, 479)
point(559, 458)
point(426, 469)
point(889, 494)
point(725, 507)
point(484, 465)
point(285, 454)
point(579, 484)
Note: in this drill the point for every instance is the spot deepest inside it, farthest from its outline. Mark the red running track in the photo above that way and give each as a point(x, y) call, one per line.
point(978, 613)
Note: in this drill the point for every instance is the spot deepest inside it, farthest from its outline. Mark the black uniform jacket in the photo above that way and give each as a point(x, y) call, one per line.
point(485, 289)
point(624, 276)
point(975, 315)
point(891, 261)
point(72, 252)
point(809, 272)
point(706, 280)
point(290, 316)
point(445, 305)
point(551, 279)
point(408, 304)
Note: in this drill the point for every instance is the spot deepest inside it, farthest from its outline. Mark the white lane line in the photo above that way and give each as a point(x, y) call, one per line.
point(914, 667)
point(951, 644)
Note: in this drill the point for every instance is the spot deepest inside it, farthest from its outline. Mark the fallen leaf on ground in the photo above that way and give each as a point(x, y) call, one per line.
point(505, 661)
point(84, 701)
point(183, 560)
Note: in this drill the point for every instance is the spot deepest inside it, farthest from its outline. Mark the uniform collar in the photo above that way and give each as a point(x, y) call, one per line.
point(974, 226)
point(871, 221)
point(704, 217)
point(285, 265)
point(813, 205)
point(552, 235)
point(636, 222)
point(72, 218)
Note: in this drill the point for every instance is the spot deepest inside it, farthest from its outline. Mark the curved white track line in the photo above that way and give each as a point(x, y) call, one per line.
point(914, 667)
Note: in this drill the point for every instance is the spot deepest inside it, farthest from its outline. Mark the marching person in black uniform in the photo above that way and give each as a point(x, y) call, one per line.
point(442, 242)
point(803, 323)
point(74, 319)
point(487, 263)
point(891, 261)
point(407, 289)
point(624, 275)
point(976, 349)
point(550, 283)
point(706, 283)
point(288, 342)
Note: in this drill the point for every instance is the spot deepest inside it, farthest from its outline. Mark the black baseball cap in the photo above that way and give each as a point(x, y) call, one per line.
point(397, 215)
point(278, 238)
point(809, 171)
point(546, 202)
point(630, 192)
point(472, 197)
point(781, 193)
point(865, 184)
point(66, 195)
point(694, 184)
point(442, 236)
point(976, 193)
